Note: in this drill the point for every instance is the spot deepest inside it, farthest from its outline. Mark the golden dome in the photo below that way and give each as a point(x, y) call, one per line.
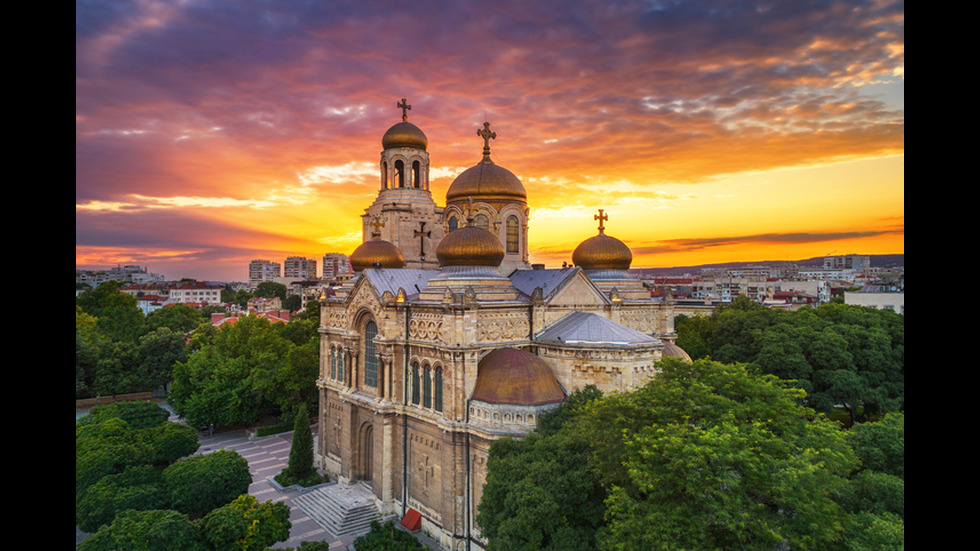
point(470, 246)
point(602, 252)
point(486, 181)
point(511, 376)
point(404, 134)
point(376, 252)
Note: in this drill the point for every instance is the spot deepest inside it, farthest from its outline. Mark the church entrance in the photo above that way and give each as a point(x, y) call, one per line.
point(365, 455)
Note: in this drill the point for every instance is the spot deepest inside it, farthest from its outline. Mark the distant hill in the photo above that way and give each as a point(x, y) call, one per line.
point(877, 261)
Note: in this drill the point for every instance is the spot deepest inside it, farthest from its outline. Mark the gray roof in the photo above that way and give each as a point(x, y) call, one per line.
point(412, 280)
point(549, 280)
point(586, 328)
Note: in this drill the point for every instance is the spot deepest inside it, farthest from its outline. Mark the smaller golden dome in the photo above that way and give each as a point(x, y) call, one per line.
point(516, 377)
point(376, 253)
point(602, 252)
point(404, 134)
point(470, 246)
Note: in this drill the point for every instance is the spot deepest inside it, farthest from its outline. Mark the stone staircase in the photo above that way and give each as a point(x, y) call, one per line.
point(340, 509)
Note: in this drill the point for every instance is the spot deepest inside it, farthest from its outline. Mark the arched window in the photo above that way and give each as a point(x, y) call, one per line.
point(399, 173)
point(333, 363)
point(370, 355)
point(415, 384)
point(437, 402)
point(453, 223)
point(481, 221)
point(513, 241)
point(427, 388)
point(340, 365)
point(384, 175)
point(416, 172)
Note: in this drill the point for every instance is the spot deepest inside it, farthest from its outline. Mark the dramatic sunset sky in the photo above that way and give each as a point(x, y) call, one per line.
point(210, 133)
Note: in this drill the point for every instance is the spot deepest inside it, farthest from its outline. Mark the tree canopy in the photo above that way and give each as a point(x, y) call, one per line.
point(838, 354)
point(704, 456)
point(238, 371)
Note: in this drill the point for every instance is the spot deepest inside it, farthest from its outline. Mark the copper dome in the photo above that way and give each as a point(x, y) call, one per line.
point(470, 246)
point(486, 181)
point(671, 350)
point(377, 251)
point(404, 134)
point(511, 376)
point(602, 252)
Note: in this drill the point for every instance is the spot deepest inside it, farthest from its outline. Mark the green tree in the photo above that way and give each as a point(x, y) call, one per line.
point(159, 530)
point(241, 370)
point(704, 456)
point(158, 351)
point(300, 468)
point(311, 312)
point(170, 441)
point(881, 445)
point(106, 448)
point(227, 294)
point(385, 538)
point(242, 297)
point(292, 303)
point(540, 493)
point(88, 345)
point(271, 289)
point(118, 317)
point(115, 370)
point(179, 318)
point(709, 456)
point(201, 483)
point(137, 487)
point(838, 354)
point(246, 525)
point(138, 414)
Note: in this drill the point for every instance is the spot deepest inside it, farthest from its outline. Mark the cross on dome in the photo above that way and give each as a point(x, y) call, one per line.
point(404, 106)
point(601, 218)
point(487, 135)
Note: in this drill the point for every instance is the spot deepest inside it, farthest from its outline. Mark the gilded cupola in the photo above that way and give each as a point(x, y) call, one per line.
point(602, 252)
point(486, 181)
point(404, 134)
point(470, 246)
point(376, 253)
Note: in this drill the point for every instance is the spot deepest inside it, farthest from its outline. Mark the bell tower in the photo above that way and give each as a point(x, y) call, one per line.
point(411, 219)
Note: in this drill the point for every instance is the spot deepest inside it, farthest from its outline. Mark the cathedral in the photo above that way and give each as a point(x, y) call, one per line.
point(447, 338)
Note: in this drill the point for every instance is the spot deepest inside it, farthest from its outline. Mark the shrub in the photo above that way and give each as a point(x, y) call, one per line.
point(386, 538)
point(139, 415)
point(159, 530)
point(201, 483)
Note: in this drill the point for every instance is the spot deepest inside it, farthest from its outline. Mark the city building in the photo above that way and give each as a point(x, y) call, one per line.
point(194, 292)
point(335, 266)
point(445, 339)
point(882, 297)
point(856, 262)
point(297, 267)
point(263, 270)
